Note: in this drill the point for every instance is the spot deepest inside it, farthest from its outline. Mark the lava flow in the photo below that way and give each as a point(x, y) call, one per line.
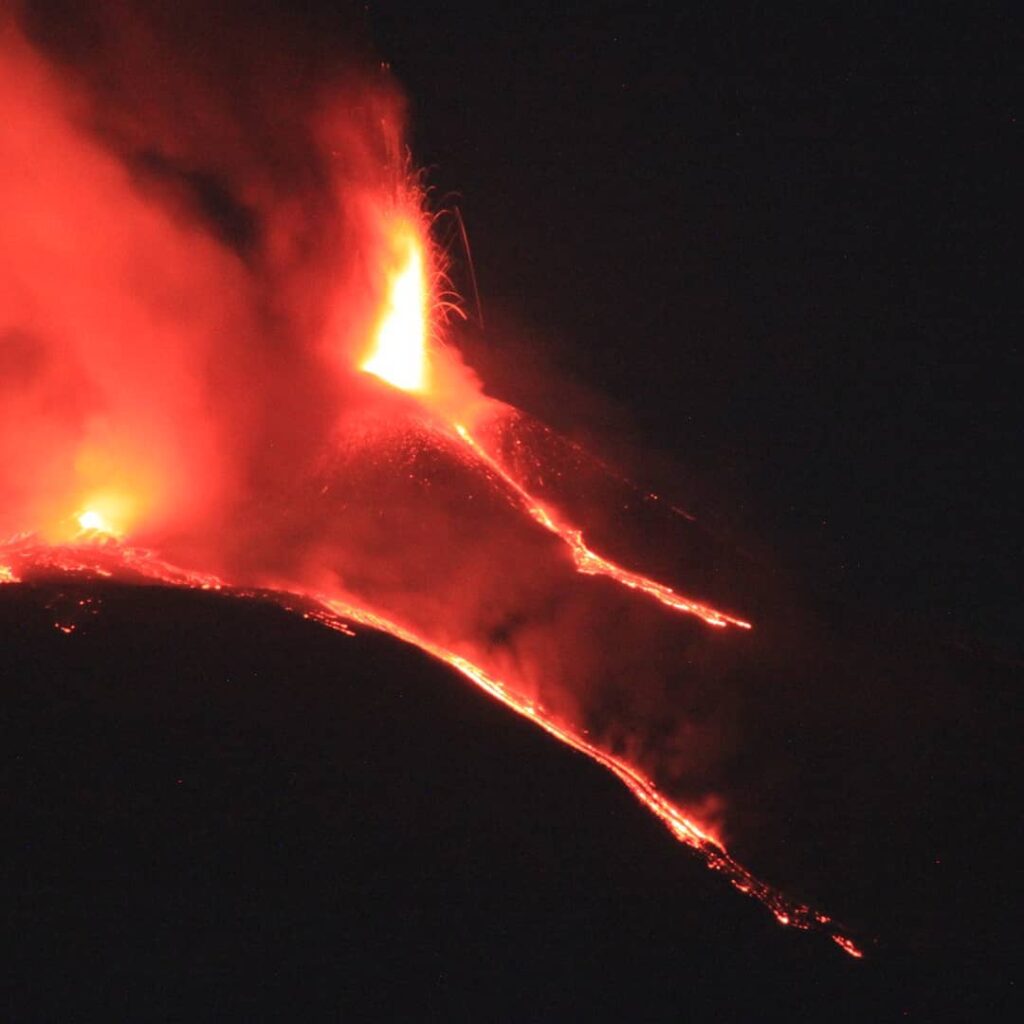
point(242, 382)
point(399, 357)
point(104, 557)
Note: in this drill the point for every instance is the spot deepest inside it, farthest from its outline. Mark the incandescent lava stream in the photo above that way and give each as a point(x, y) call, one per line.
point(243, 382)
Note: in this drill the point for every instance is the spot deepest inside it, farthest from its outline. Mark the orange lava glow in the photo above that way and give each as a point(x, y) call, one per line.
point(111, 559)
point(184, 387)
point(400, 358)
point(848, 946)
point(399, 353)
point(92, 521)
point(589, 562)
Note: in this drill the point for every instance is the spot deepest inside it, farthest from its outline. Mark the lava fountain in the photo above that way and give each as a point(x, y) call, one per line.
point(243, 382)
point(399, 354)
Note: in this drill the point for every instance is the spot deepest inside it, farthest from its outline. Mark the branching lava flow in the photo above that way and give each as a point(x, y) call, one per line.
point(243, 382)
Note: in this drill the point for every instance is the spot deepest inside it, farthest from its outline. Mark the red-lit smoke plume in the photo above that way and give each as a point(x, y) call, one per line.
point(223, 363)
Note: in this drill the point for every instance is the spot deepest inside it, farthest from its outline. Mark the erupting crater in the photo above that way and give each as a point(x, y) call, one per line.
point(226, 450)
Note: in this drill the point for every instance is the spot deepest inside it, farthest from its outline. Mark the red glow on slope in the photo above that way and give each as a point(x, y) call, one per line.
point(179, 388)
point(108, 558)
point(589, 562)
point(400, 357)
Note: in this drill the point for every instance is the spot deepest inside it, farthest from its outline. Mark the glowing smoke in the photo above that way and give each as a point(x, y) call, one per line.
point(213, 274)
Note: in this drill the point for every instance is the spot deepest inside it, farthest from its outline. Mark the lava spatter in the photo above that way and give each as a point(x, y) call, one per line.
point(263, 287)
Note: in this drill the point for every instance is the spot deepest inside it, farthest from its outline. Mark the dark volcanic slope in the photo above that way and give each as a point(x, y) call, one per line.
point(217, 810)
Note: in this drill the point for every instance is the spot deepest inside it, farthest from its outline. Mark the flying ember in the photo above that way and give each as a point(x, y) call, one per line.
point(211, 352)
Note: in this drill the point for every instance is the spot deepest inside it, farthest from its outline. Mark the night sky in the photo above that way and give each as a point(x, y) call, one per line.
point(761, 260)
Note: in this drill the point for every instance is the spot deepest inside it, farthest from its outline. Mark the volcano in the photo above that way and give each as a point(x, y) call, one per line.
point(217, 809)
point(282, 408)
point(236, 363)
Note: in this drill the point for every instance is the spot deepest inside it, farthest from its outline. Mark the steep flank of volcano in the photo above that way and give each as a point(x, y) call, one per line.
point(216, 809)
